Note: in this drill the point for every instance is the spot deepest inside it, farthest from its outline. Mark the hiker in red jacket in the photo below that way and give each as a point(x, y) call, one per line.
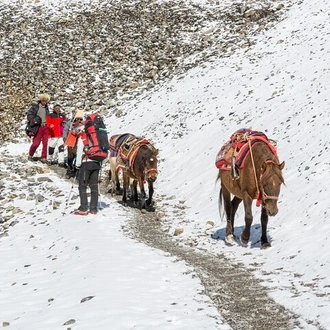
point(55, 122)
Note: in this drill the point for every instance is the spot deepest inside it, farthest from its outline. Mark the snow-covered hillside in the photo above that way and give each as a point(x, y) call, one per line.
point(279, 86)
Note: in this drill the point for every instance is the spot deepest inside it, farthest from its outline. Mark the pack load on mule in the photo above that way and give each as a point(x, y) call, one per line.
point(249, 169)
point(128, 151)
point(233, 153)
point(96, 140)
point(116, 141)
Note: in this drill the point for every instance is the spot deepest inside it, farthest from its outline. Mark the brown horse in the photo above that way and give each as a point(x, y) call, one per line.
point(137, 158)
point(260, 178)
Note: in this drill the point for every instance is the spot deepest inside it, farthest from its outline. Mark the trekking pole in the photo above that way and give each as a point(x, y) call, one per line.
point(69, 196)
point(99, 188)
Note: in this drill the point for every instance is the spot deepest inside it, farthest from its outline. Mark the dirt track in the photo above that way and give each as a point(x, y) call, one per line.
point(237, 294)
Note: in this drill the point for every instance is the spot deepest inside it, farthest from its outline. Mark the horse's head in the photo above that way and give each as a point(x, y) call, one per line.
point(151, 162)
point(270, 184)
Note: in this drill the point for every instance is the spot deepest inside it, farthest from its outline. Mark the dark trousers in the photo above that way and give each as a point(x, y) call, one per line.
point(89, 176)
point(71, 170)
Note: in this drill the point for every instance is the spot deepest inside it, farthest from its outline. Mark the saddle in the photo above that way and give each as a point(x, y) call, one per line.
point(115, 142)
point(233, 153)
point(127, 152)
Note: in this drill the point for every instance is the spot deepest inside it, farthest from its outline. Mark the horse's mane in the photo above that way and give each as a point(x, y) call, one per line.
point(269, 172)
point(146, 152)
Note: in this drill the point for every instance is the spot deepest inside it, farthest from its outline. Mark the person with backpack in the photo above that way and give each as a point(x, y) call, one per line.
point(92, 152)
point(55, 122)
point(39, 111)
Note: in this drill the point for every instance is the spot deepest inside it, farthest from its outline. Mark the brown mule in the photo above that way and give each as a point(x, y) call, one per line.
point(137, 158)
point(261, 179)
point(143, 169)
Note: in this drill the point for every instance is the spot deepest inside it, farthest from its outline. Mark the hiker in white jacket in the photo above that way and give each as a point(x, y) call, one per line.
point(88, 176)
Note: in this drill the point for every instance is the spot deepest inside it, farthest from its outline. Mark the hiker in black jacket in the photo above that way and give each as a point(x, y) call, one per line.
point(40, 109)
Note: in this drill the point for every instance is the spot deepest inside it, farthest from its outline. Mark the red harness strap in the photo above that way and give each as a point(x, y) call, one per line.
point(259, 199)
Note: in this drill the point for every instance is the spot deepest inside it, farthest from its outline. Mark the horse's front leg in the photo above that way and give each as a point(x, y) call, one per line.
point(143, 193)
point(151, 192)
point(264, 222)
point(117, 183)
point(245, 236)
point(125, 187)
point(134, 197)
point(141, 185)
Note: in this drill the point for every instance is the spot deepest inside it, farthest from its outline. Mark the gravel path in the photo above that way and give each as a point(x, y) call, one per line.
point(237, 294)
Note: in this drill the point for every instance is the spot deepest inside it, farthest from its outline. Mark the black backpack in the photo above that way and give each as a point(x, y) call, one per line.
point(32, 126)
point(96, 138)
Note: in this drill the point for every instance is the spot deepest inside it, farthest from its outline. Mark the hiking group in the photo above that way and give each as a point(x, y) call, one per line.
point(81, 145)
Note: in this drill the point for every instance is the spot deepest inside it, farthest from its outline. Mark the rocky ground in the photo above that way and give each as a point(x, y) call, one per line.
point(97, 55)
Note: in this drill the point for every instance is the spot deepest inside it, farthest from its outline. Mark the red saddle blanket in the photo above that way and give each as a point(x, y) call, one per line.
point(242, 147)
point(128, 151)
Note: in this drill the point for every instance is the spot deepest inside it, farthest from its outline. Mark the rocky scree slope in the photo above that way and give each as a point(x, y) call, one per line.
point(97, 55)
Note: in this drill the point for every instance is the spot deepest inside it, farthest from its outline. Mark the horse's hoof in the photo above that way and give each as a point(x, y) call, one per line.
point(244, 241)
point(265, 246)
point(150, 209)
point(230, 240)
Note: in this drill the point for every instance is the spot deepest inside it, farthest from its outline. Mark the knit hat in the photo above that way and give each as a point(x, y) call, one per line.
point(44, 98)
point(79, 114)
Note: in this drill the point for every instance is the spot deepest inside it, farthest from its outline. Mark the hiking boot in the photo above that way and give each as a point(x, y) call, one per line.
point(79, 212)
point(61, 164)
point(92, 212)
point(30, 158)
point(43, 160)
point(71, 174)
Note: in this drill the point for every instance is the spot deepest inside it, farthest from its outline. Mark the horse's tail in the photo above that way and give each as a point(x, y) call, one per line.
point(218, 177)
point(220, 205)
point(109, 177)
point(220, 200)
